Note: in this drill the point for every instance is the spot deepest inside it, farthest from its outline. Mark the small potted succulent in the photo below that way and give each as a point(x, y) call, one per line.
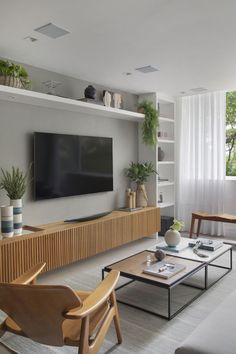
point(139, 173)
point(13, 75)
point(14, 183)
point(172, 236)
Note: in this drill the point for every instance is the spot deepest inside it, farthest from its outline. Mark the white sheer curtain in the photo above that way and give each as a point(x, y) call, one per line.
point(200, 158)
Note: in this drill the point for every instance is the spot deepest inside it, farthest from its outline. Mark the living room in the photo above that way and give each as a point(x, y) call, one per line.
point(117, 177)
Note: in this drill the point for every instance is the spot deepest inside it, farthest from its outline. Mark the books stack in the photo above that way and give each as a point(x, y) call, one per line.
point(207, 244)
point(163, 269)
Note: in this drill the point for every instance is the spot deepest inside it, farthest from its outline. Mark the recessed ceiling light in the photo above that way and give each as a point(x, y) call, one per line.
point(52, 30)
point(198, 89)
point(147, 69)
point(30, 39)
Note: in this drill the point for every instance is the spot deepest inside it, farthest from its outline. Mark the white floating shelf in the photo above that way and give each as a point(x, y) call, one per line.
point(44, 100)
point(167, 120)
point(166, 141)
point(165, 184)
point(166, 162)
point(165, 204)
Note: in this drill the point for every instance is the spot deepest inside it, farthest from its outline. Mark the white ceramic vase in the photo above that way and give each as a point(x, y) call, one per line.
point(172, 237)
point(17, 215)
point(7, 221)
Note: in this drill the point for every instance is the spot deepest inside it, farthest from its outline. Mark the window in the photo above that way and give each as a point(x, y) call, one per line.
point(231, 133)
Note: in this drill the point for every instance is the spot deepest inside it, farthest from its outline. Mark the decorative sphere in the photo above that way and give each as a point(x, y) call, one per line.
point(90, 92)
point(160, 255)
point(172, 237)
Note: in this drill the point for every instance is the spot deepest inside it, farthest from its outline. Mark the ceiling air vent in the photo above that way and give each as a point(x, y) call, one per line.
point(147, 69)
point(52, 30)
point(198, 89)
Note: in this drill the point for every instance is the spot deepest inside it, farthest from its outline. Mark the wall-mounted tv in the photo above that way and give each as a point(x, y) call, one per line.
point(67, 165)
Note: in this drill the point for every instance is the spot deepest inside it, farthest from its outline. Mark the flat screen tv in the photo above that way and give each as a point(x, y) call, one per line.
point(67, 165)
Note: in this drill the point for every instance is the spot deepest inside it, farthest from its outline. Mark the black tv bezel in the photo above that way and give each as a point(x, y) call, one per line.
point(74, 195)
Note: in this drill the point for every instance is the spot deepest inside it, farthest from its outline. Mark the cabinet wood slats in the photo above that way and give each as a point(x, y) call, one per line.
point(60, 244)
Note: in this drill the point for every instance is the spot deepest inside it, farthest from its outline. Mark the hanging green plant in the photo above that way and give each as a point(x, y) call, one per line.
point(150, 124)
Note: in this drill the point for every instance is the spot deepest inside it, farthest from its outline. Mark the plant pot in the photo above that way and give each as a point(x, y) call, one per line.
point(7, 221)
point(161, 154)
point(141, 196)
point(10, 81)
point(172, 237)
point(90, 92)
point(17, 215)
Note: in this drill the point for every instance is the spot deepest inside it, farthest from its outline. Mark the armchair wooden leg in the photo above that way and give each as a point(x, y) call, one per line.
point(2, 329)
point(116, 318)
point(84, 336)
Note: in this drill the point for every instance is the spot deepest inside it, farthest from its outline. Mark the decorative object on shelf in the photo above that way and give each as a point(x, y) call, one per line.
point(150, 124)
point(131, 199)
point(161, 154)
point(51, 86)
point(139, 173)
point(13, 75)
point(160, 198)
point(17, 215)
point(7, 229)
point(107, 98)
point(90, 92)
point(172, 236)
point(14, 183)
point(160, 255)
point(142, 198)
point(162, 134)
point(117, 100)
point(133, 195)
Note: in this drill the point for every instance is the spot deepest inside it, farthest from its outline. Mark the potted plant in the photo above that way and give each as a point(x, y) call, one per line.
point(13, 75)
point(172, 236)
point(151, 122)
point(139, 173)
point(14, 183)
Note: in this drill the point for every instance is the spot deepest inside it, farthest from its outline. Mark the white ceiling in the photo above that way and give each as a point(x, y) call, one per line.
point(192, 42)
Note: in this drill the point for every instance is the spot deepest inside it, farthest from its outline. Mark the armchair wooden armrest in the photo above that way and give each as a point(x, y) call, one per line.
point(29, 277)
point(98, 297)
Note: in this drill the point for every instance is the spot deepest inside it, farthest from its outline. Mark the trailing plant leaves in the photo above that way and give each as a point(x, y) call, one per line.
point(150, 124)
point(14, 182)
point(139, 172)
point(8, 68)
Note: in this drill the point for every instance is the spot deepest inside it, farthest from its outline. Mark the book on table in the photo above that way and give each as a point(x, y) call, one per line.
point(164, 269)
point(207, 244)
point(180, 247)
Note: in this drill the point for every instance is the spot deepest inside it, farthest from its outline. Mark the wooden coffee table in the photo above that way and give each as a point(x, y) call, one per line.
point(132, 268)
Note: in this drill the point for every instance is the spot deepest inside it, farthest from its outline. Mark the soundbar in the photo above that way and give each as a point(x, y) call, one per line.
point(89, 218)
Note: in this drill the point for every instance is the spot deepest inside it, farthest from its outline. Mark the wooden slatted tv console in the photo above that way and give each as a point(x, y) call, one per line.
point(61, 243)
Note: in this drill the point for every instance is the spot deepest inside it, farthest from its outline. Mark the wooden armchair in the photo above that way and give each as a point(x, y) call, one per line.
point(57, 315)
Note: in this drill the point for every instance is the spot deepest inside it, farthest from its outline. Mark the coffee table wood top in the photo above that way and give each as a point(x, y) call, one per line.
point(133, 267)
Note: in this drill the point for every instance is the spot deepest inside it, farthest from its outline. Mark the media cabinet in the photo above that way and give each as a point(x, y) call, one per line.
point(60, 243)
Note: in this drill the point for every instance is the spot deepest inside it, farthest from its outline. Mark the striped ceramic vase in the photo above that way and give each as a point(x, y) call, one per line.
point(7, 221)
point(17, 215)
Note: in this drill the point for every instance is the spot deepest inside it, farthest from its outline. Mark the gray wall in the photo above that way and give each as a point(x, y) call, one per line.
point(19, 121)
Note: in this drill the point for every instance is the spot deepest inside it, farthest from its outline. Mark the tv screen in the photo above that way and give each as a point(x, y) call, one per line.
point(67, 165)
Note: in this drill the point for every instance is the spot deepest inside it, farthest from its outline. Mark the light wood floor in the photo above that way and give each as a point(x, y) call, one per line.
point(142, 332)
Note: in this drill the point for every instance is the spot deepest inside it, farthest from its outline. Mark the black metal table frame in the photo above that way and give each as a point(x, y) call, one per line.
point(202, 266)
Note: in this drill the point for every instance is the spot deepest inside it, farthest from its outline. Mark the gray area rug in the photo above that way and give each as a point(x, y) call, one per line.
point(142, 332)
